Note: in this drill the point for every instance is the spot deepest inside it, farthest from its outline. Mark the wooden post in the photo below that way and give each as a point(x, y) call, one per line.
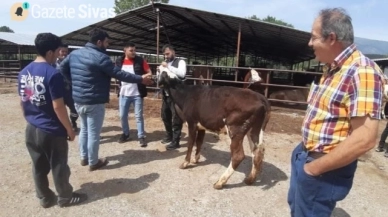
point(267, 81)
point(238, 51)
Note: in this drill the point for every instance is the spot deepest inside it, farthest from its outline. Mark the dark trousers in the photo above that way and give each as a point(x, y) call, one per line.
point(68, 98)
point(316, 195)
point(172, 122)
point(383, 137)
point(49, 152)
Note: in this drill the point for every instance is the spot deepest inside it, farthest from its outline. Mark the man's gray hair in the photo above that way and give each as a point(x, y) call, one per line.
point(337, 20)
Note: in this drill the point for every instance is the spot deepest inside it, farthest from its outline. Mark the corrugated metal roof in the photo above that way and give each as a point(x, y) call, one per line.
point(7, 38)
point(199, 33)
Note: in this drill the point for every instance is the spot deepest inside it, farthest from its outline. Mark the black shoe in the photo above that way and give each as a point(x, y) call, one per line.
point(379, 149)
point(166, 140)
point(143, 142)
point(49, 201)
point(75, 199)
point(84, 162)
point(123, 138)
point(173, 146)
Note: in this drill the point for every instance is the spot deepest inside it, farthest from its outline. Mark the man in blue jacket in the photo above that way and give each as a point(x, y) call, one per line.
point(63, 52)
point(91, 70)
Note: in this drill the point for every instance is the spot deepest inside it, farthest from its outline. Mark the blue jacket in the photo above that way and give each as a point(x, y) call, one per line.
point(90, 71)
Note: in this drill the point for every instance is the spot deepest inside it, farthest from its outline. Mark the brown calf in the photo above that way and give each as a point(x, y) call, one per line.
point(239, 111)
point(255, 84)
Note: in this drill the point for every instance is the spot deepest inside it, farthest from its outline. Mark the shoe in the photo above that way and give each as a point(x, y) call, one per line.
point(166, 140)
point(143, 142)
point(379, 149)
point(48, 202)
point(386, 154)
point(75, 199)
point(123, 138)
point(173, 146)
point(101, 163)
point(84, 162)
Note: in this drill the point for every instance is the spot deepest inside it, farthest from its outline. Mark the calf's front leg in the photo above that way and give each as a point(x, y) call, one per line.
point(192, 136)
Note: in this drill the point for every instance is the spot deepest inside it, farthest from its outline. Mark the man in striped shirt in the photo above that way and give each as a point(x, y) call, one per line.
point(341, 121)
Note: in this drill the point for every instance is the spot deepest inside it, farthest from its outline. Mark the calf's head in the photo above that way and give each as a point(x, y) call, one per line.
point(167, 79)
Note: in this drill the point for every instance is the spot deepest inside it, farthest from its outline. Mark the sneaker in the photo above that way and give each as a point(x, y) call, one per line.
point(142, 142)
point(101, 163)
point(123, 138)
point(379, 149)
point(166, 140)
point(84, 162)
point(75, 199)
point(386, 154)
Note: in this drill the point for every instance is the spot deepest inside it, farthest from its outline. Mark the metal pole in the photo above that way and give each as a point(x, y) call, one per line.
point(157, 34)
point(157, 49)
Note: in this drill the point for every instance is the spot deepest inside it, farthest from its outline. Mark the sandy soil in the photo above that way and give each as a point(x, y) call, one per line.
point(148, 182)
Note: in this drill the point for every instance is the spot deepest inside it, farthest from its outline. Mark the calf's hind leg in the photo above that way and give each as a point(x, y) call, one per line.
point(257, 147)
point(237, 152)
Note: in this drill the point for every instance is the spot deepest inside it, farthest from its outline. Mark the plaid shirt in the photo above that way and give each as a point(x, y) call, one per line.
point(350, 87)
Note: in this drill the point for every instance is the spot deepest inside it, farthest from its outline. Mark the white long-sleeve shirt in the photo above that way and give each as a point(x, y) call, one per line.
point(180, 71)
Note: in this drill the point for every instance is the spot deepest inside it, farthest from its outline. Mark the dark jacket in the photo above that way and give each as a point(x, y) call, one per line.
point(139, 70)
point(90, 70)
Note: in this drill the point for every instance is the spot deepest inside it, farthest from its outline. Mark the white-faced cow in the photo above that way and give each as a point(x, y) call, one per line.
point(215, 108)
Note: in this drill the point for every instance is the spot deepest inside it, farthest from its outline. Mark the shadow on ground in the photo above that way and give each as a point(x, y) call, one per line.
point(153, 136)
point(114, 187)
point(339, 212)
point(268, 178)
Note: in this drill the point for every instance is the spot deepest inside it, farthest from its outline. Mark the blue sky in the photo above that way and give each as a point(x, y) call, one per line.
point(369, 16)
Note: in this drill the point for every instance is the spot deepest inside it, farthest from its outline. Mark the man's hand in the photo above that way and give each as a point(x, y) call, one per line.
point(71, 134)
point(147, 79)
point(307, 170)
point(358, 143)
point(164, 64)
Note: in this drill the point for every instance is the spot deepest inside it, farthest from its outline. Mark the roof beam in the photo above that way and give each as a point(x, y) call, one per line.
point(171, 27)
point(211, 26)
point(181, 17)
point(227, 26)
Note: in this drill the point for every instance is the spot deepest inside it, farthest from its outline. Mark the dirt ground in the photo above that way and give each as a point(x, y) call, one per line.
point(148, 182)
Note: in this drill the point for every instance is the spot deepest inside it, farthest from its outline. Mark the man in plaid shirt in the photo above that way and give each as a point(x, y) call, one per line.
point(341, 121)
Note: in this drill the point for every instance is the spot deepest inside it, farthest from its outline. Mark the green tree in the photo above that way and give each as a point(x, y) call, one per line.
point(6, 29)
point(271, 19)
point(126, 5)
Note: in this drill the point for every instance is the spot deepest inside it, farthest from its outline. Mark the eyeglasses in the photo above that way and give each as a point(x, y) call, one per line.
point(313, 38)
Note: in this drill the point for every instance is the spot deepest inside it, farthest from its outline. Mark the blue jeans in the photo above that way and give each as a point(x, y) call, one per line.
point(124, 104)
point(316, 195)
point(92, 118)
